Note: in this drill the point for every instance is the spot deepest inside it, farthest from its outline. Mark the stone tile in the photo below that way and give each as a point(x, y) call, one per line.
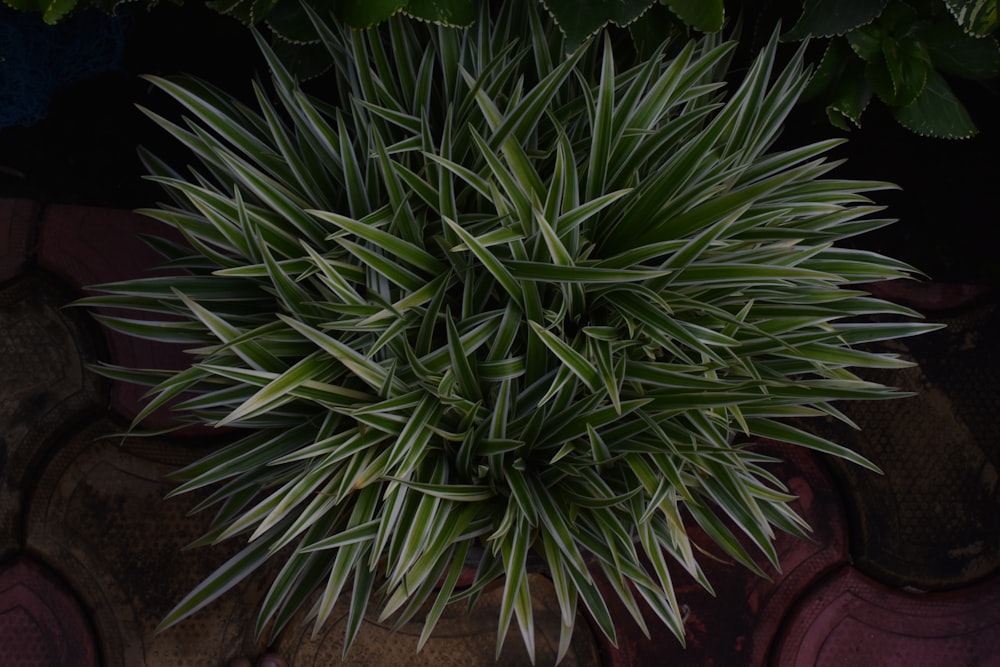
point(739, 624)
point(41, 623)
point(87, 246)
point(18, 218)
point(932, 520)
point(43, 352)
point(98, 516)
point(853, 621)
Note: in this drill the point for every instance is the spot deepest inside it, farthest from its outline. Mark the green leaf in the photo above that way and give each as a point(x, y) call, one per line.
point(367, 13)
point(25, 5)
point(229, 574)
point(588, 275)
point(241, 10)
point(841, 82)
point(250, 351)
point(370, 372)
point(899, 75)
point(444, 12)
point(348, 559)
point(767, 428)
point(936, 112)
point(976, 17)
point(829, 69)
point(827, 18)
point(219, 114)
point(463, 493)
point(279, 390)
point(514, 550)
point(379, 238)
point(381, 267)
point(364, 532)
point(181, 333)
point(602, 125)
point(703, 15)
point(292, 25)
point(55, 10)
point(462, 362)
point(866, 42)
point(296, 581)
point(954, 52)
point(570, 358)
point(579, 21)
point(489, 261)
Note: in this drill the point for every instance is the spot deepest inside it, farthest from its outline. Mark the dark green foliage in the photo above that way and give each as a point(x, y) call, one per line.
point(900, 55)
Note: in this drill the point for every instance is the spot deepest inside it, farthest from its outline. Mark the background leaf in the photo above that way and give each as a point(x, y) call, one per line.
point(977, 17)
point(826, 18)
point(444, 12)
point(367, 13)
point(898, 73)
point(955, 52)
point(578, 21)
point(704, 15)
point(937, 112)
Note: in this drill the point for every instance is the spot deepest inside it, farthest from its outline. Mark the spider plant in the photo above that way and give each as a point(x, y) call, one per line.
point(482, 297)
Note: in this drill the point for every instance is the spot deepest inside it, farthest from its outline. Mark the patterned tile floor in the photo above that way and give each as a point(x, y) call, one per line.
point(903, 569)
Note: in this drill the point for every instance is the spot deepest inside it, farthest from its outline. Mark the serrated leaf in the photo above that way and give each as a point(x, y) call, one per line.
point(907, 67)
point(367, 13)
point(579, 21)
point(703, 15)
point(848, 94)
point(954, 52)
point(866, 42)
point(937, 112)
point(827, 18)
point(460, 13)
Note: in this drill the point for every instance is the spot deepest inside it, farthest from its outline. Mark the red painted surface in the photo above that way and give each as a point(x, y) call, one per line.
point(41, 624)
point(88, 246)
point(17, 222)
point(853, 621)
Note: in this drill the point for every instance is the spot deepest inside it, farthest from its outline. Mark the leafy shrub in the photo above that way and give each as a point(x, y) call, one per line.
point(900, 53)
point(490, 300)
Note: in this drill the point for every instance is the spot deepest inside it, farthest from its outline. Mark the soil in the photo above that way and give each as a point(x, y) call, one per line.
point(84, 151)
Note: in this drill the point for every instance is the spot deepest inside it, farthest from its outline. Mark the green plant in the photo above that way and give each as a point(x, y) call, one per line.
point(488, 296)
point(900, 53)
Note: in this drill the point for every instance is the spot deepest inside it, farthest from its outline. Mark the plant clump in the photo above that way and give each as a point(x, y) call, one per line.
point(497, 300)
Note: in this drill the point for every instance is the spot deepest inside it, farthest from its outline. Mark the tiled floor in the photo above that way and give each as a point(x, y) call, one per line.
point(903, 569)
